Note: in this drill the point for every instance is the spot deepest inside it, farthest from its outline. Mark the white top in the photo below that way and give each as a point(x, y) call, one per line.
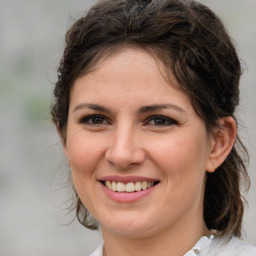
point(207, 247)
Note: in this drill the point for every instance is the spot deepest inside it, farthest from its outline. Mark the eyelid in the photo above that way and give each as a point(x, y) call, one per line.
point(170, 121)
point(88, 120)
point(84, 119)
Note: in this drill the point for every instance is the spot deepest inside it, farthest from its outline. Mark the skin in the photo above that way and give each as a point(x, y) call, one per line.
point(124, 138)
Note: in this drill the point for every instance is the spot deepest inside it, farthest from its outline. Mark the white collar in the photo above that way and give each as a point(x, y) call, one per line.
point(202, 244)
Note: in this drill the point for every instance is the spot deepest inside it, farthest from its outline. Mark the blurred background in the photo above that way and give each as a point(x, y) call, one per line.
point(33, 197)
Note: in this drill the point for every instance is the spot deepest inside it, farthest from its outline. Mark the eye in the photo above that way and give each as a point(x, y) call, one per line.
point(160, 120)
point(94, 120)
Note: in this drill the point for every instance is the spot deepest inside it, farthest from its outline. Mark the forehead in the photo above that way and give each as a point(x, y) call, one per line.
point(128, 54)
point(128, 75)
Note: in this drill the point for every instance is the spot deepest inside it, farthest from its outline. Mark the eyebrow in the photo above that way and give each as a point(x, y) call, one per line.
point(156, 107)
point(92, 106)
point(144, 109)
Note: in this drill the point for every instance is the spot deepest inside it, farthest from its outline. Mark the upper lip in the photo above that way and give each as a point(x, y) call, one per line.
point(126, 179)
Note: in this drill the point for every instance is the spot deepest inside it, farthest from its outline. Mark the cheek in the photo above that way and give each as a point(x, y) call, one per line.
point(78, 156)
point(180, 155)
point(182, 164)
point(86, 155)
point(84, 152)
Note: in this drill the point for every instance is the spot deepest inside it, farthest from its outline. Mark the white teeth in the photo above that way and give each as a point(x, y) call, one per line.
point(129, 187)
point(120, 187)
point(144, 185)
point(138, 186)
point(150, 184)
point(114, 187)
point(108, 184)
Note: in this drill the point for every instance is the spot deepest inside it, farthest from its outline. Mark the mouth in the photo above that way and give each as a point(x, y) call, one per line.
point(129, 187)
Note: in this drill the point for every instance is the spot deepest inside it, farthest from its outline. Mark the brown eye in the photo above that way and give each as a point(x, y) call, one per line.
point(161, 121)
point(94, 120)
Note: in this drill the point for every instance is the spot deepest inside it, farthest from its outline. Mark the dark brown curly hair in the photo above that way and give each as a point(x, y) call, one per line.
point(192, 43)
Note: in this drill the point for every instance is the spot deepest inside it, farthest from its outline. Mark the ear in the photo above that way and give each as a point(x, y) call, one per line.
point(221, 142)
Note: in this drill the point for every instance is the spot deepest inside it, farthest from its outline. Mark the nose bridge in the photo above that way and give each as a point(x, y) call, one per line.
point(125, 149)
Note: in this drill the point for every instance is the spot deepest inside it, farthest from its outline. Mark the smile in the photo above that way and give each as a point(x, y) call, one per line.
point(129, 187)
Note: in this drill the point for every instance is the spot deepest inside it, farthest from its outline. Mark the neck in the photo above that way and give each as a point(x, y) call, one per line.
point(172, 241)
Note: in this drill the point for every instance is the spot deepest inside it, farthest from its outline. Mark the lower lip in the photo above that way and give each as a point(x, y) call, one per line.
point(127, 197)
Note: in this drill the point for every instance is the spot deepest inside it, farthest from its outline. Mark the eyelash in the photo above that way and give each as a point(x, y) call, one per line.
point(97, 119)
point(91, 118)
point(167, 121)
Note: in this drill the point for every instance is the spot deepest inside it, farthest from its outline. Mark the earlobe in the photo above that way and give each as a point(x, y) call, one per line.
point(222, 143)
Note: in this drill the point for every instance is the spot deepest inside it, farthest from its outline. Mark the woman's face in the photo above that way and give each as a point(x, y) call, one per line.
point(136, 147)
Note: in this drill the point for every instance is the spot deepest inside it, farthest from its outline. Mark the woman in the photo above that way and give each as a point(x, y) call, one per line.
point(144, 105)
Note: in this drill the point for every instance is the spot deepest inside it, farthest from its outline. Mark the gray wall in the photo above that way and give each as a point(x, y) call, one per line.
point(32, 167)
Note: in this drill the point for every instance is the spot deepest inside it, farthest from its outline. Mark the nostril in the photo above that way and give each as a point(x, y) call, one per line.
point(124, 158)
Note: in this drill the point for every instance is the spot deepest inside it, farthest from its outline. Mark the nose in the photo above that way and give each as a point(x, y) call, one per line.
point(125, 149)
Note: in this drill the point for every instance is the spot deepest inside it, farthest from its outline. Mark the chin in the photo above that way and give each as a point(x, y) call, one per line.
point(128, 225)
